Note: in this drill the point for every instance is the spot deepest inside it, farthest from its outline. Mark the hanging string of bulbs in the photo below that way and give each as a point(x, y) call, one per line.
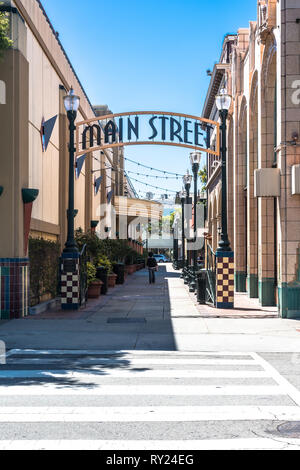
point(153, 169)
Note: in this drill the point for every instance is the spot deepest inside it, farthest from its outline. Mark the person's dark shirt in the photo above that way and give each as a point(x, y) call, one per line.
point(151, 262)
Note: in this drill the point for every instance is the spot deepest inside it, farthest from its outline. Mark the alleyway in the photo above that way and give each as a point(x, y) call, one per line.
point(145, 368)
point(164, 316)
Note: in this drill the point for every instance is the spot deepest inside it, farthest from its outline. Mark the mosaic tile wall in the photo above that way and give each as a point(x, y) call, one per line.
point(70, 281)
point(225, 280)
point(14, 288)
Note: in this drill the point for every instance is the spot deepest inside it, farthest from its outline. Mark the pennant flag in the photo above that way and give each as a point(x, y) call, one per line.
point(79, 165)
point(110, 195)
point(97, 184)
point(46, 131)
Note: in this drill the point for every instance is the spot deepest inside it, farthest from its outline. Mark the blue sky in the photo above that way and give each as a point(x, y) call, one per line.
point(136, 55)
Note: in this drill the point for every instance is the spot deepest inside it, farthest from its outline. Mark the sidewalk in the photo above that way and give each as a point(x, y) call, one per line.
point(164, 316)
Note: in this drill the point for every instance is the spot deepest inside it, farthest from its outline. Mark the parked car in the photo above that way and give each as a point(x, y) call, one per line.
point(161, 259)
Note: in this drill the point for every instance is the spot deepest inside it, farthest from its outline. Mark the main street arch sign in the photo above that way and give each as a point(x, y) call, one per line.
point(147, 128)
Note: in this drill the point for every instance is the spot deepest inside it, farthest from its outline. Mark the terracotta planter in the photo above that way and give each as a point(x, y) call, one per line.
point(129, 269)
point(112, 280)
point(94, 290)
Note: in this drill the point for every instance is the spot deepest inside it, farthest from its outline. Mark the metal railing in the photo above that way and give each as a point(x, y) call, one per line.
point(210, 296)
point(83, 285)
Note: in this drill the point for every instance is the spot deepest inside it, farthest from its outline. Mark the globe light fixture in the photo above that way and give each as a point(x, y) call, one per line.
point(195, 157)
point(71, 101)
point(187, 179)
point(223, 100)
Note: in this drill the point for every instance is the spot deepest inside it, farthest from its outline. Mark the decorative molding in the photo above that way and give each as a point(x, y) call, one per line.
point(44, 227)
point(29, 195)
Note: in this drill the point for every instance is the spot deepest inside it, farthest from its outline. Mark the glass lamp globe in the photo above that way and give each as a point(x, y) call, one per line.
point(223, 100)
point(71, 101)
point(187, 179)
point(195, 157)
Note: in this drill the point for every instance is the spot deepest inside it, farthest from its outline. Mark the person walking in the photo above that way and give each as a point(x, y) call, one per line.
point(152, 267)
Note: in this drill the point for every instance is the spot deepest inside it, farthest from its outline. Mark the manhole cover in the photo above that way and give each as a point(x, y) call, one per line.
point(290, 429)
point(126, 320)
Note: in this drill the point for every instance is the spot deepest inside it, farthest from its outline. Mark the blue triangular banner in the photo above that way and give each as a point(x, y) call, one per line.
point(79, 165)
point(110, 195)
point(97, 184)
point(48, 127)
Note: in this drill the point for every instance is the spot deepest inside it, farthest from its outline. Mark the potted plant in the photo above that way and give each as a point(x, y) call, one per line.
point(112, 279)
point(94, 284)
point(103, 267)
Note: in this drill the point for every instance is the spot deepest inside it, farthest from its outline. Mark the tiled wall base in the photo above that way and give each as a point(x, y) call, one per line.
point(225, 280)
point(289, 300)
point(266, 290)
point(70, 281)
point(14, 288)
point(240, 279)
point(252, 286)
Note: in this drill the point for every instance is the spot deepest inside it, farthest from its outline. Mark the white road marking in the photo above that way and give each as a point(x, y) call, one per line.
point(276, 443)
point(103, 374)
point(131, 353)
point(290, 390)
point(145, 390)
point(132, 362)
point(147, 414)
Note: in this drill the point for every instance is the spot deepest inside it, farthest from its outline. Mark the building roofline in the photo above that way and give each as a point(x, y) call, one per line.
point(216, 78)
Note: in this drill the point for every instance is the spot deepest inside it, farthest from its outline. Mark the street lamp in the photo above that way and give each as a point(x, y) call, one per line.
point(71, 102)
point(187, 180)
point(182, 196)
point(223, 102)
point(195, 158)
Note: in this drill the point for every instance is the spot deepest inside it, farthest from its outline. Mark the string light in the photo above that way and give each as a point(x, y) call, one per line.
point(153, 169)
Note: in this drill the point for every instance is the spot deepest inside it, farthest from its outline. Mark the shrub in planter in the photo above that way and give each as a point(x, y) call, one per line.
point(103, 269)
point(94, 284)
point(119, 270)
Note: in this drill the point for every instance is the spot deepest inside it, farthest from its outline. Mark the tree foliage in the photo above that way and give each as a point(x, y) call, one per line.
point(5, 41)
point(112, 250)
point(203, 178)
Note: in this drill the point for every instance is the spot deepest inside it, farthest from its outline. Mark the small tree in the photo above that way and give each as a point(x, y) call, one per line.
point(5, 41)
point(203, 178)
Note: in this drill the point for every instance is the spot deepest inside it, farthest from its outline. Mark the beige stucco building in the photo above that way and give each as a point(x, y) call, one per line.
point(260, 67)
point(35, 75)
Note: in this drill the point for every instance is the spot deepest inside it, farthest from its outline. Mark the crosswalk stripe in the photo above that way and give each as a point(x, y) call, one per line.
point(190, 445)
point(146, 390)
point(66, 373)
point(130, 353)
point(147, 414)
point(133, 362)
point(290, 389)
point(87, 373)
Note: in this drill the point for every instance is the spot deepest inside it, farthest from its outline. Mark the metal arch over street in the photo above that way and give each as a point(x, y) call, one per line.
point(172, 129)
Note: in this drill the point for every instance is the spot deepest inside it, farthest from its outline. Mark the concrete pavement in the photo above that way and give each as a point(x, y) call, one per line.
point(164, 316)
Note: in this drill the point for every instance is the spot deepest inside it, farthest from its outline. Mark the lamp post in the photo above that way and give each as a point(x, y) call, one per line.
point(187, 180)
point(71, 278)
point(195, 158)
point(182, 198)
point(71, 102)
point(224, 254)
point(223, 101)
